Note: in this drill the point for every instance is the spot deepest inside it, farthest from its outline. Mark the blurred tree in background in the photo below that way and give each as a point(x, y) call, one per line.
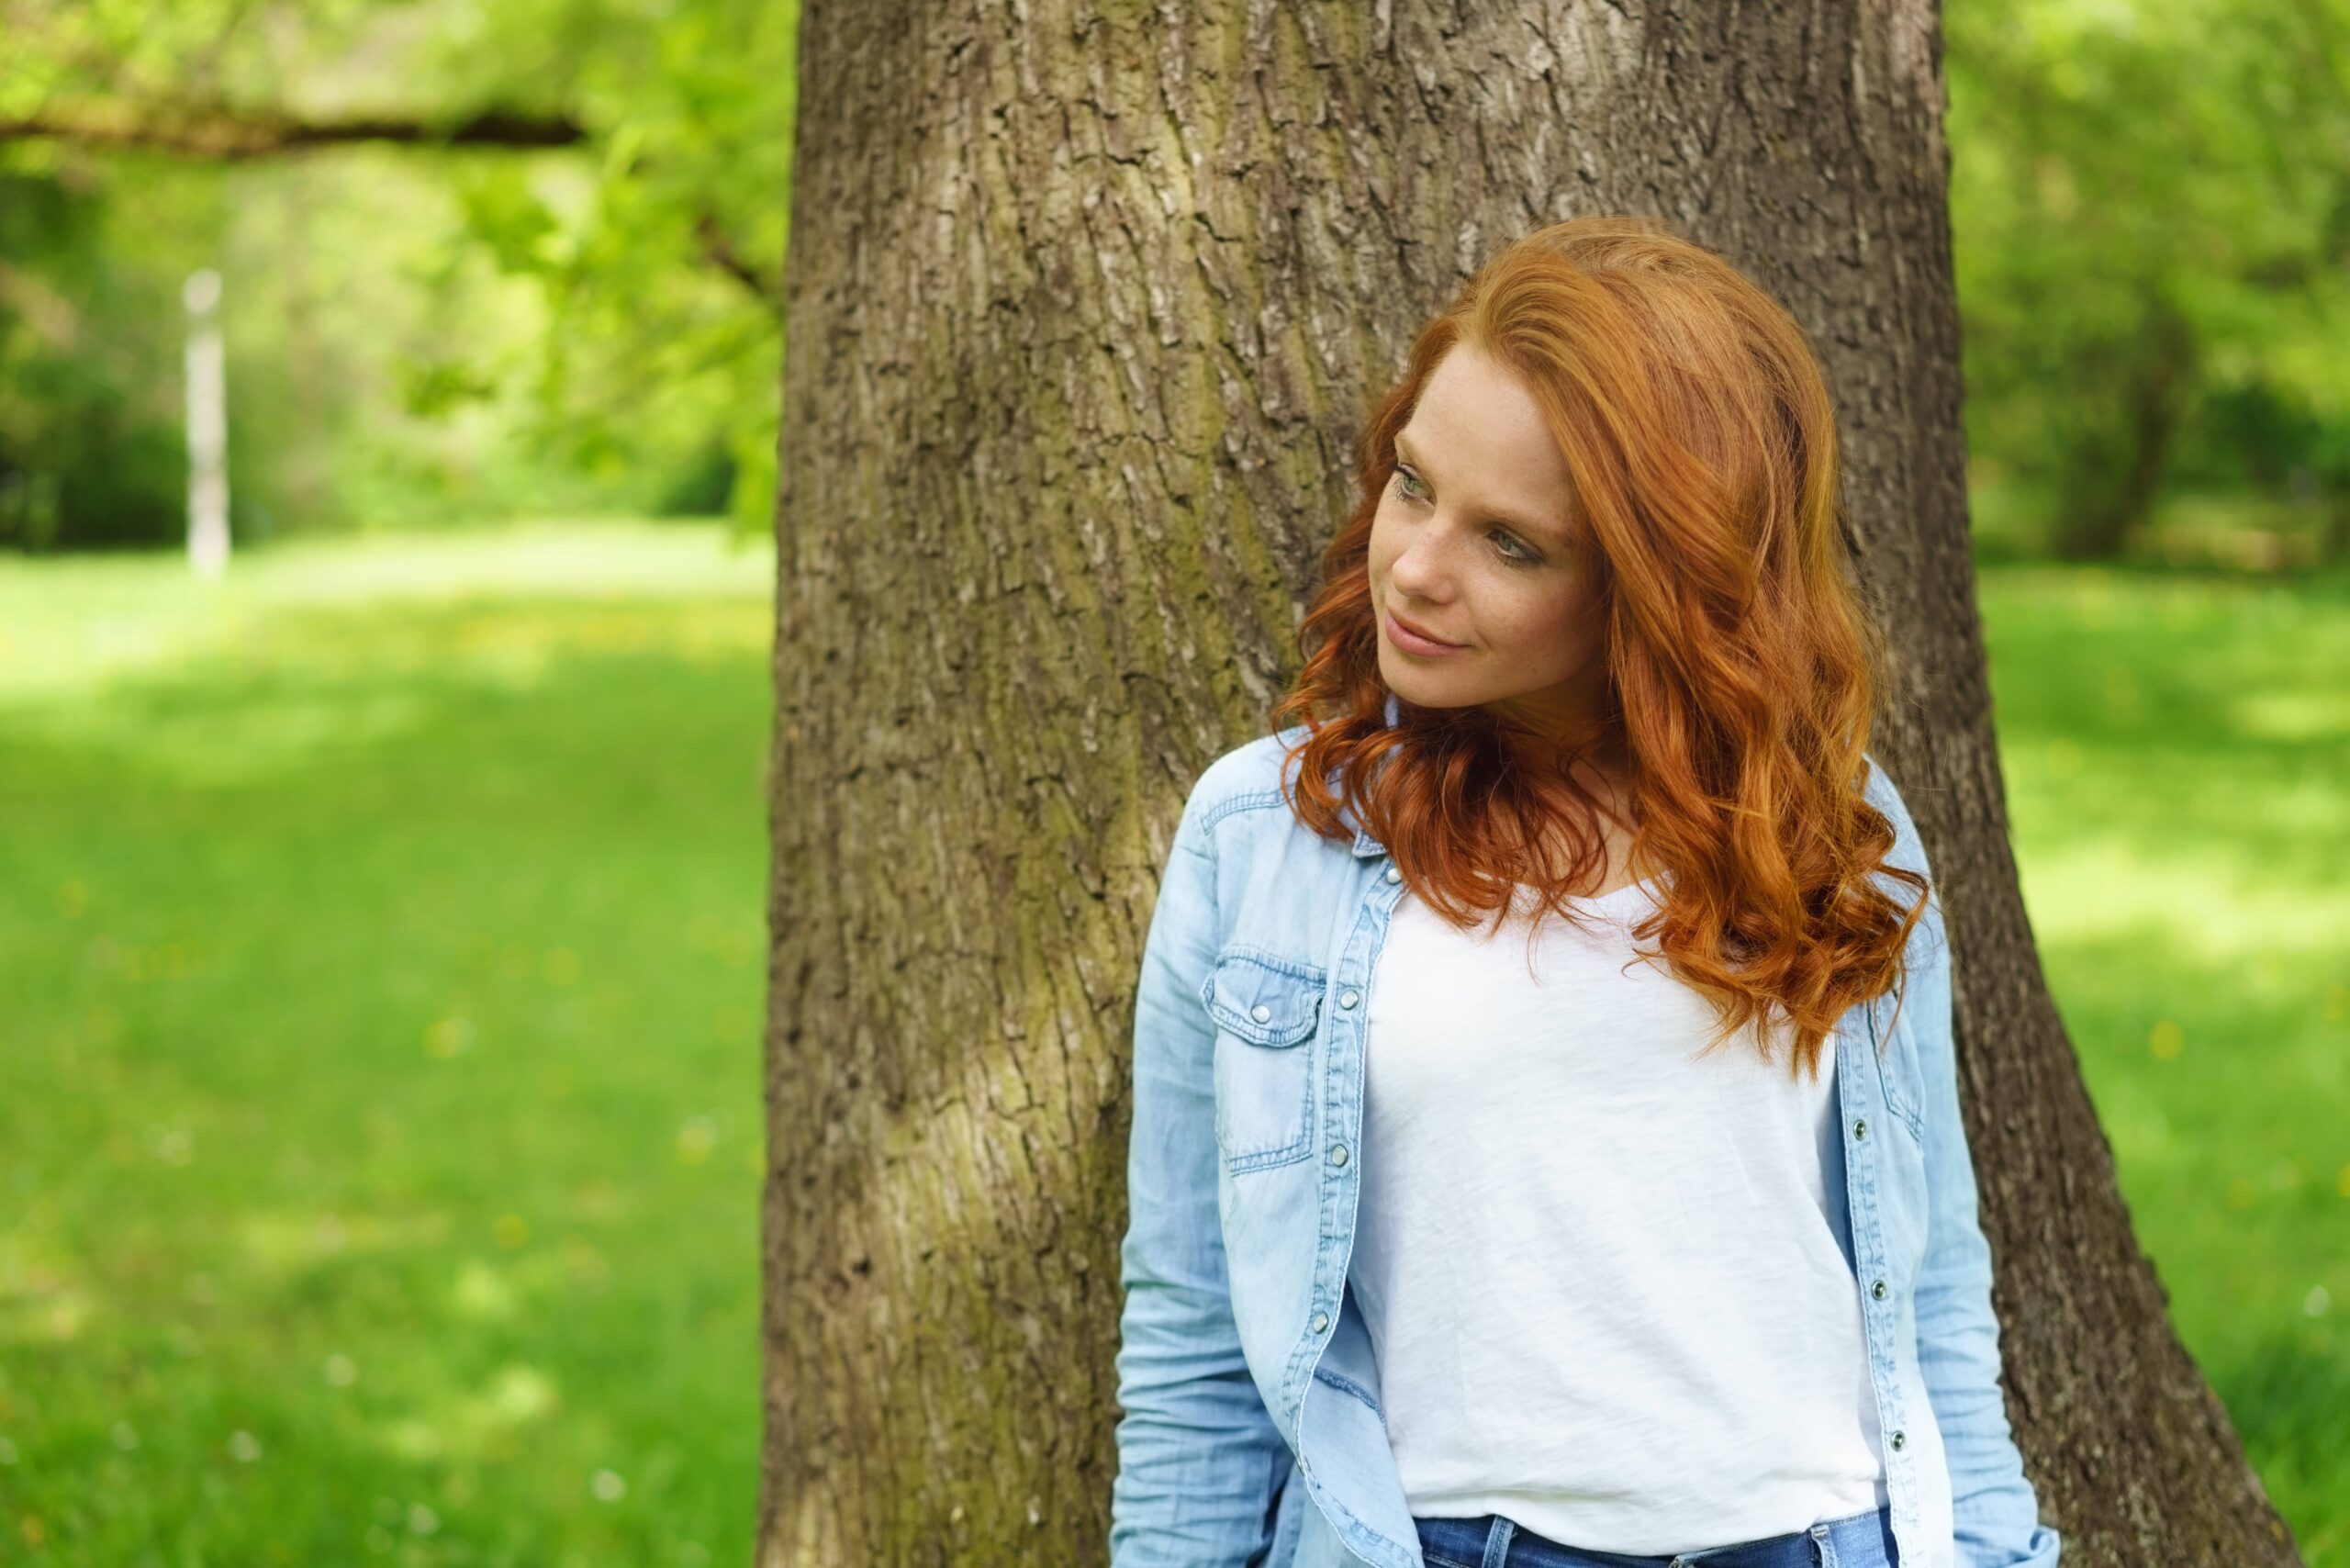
point(2151, 206)
point(90, 442)
point(481, 259)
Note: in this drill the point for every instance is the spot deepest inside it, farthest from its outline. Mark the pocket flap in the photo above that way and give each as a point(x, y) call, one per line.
point(1262, 998)
point(1897, 1062)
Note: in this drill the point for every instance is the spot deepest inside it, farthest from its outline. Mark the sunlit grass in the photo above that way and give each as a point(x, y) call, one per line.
point(379, 1079)
point(2178, 758)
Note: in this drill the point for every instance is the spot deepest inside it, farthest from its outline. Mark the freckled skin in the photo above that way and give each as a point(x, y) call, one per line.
point(1476, 446)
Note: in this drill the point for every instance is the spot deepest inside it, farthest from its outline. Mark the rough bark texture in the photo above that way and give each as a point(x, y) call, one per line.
point(1083, 310)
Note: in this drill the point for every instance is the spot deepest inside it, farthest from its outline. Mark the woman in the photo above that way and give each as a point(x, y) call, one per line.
point(1651, 1238)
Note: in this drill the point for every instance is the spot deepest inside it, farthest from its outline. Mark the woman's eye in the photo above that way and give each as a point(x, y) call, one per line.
point(1516, 554)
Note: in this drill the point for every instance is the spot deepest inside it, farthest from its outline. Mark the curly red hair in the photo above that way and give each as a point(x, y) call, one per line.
point(1699, 431)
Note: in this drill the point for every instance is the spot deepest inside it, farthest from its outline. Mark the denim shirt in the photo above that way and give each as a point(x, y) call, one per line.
point(1251, 1429)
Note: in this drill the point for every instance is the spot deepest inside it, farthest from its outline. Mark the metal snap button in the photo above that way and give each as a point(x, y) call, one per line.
point(1861, 1128)
point(1898, 1440)
point(1877, 1290)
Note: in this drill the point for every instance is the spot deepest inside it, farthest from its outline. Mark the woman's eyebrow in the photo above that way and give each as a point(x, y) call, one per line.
point(1550, 535)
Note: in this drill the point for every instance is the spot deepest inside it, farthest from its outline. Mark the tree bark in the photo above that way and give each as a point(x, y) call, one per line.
point(1083, 307)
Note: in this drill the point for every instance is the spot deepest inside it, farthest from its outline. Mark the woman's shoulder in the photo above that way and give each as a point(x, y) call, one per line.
point(1909, 849)
point(1249, 776)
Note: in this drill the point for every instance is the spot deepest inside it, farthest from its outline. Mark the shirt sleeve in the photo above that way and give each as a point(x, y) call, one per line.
point(1996, 1515)
point(1200, 1460)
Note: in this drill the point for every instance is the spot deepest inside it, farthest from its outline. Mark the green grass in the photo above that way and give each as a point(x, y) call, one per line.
point(379, 1102)
point(380, 931)
point(2177, 751)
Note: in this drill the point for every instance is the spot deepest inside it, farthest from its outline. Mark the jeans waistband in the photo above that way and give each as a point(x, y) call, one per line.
point(1857, 1541)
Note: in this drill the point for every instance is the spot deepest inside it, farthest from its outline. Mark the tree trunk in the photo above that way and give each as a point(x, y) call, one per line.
point(2108, 490)
point(1083, 310)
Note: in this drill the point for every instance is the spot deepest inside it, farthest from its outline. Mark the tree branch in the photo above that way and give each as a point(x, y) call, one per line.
point(719, 252)
point(226, 135)
point(235, 135)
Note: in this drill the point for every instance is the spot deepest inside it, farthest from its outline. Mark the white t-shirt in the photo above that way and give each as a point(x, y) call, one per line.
point(1600, 1277)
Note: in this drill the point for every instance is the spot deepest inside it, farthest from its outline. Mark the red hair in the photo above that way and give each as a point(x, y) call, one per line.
point(1741, 665)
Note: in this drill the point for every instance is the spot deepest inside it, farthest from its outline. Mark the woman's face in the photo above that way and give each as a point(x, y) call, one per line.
point(1471, 545)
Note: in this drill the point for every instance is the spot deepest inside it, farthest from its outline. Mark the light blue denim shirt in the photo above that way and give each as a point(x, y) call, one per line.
point(1250, 1429)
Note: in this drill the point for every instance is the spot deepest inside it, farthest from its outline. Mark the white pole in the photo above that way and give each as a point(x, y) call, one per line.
point(208, 428)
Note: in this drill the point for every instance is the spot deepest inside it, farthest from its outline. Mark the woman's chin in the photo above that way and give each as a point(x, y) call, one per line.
point(1417, 686)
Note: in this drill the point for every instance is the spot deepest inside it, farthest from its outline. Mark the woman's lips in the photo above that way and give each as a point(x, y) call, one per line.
point(1412, 641)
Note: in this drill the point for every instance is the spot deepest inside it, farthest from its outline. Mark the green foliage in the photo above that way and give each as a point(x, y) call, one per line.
point(2151, 208)
point(90, 427)
point(666, 271)
point(420, 335)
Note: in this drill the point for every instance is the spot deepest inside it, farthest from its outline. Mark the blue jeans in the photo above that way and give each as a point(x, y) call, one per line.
point(1859, 1540)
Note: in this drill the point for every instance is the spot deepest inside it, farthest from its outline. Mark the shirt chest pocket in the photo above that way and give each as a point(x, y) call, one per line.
point(1904, 1080)
point(1903, 1194)
point(1266, 1009)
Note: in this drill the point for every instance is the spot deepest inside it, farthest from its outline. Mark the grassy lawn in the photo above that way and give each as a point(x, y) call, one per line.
point(380, 934)
point(2178, 759)
point(379, 1102)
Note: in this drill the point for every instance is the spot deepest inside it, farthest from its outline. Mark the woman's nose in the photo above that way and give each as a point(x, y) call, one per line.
point(1420, 568)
